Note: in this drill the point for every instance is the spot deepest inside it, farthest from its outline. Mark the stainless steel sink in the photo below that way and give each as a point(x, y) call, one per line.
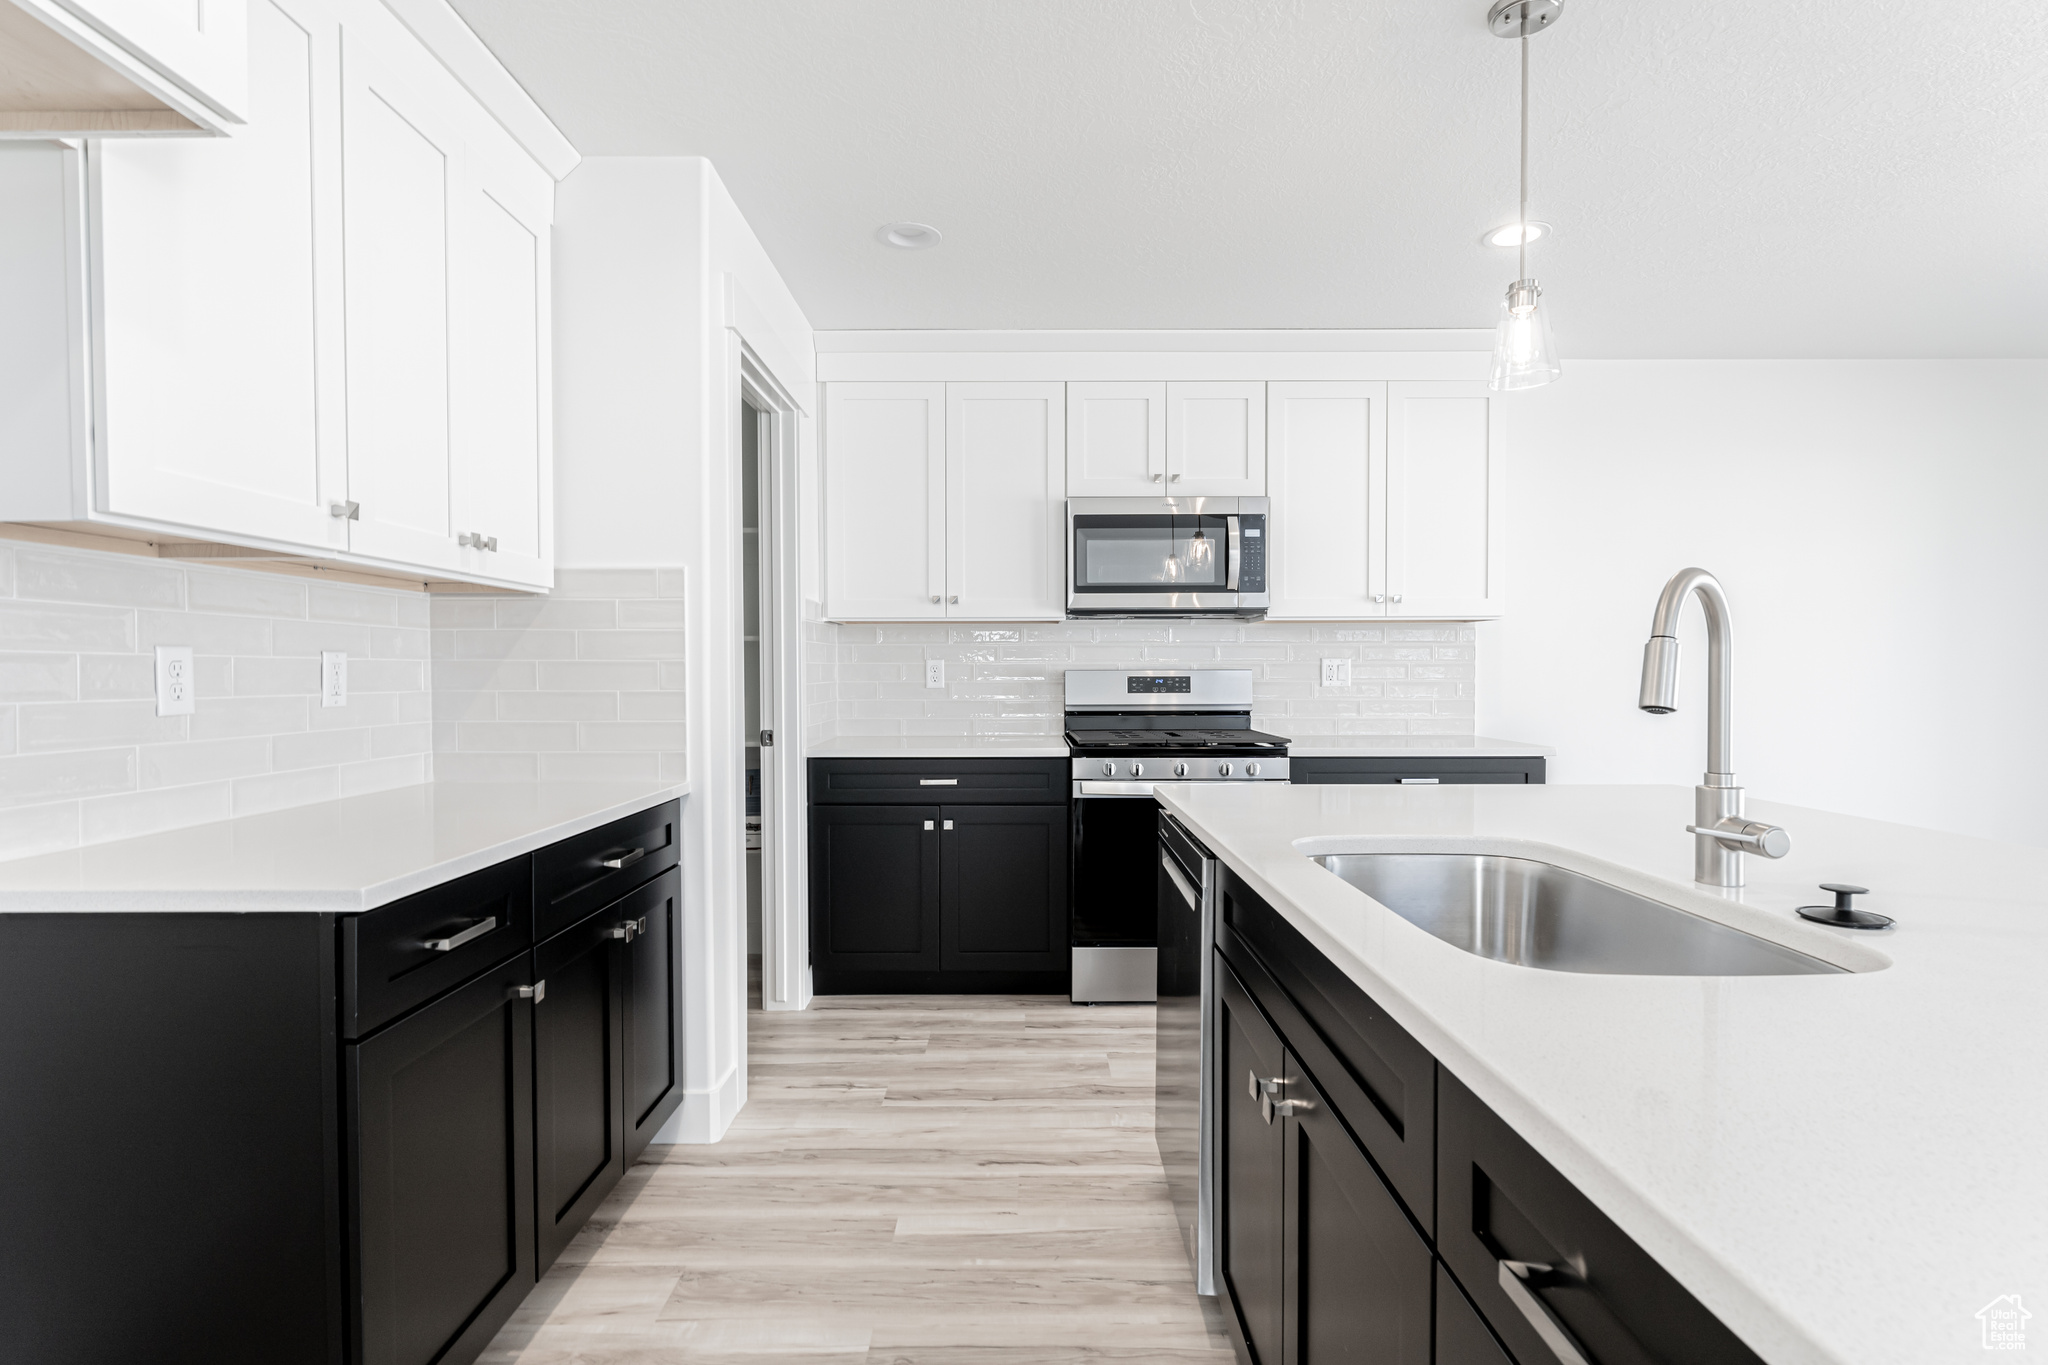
point(1535, 915)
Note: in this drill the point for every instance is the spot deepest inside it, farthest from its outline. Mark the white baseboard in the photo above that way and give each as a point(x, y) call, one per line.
point(705, 1114)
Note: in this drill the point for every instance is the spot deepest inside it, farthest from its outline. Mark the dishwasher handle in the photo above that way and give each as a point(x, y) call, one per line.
point(1519, 1280)
point(1180, 881)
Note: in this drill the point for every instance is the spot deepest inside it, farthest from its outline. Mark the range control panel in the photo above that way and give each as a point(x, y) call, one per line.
point(1180, 768)
point(1251, 567)
point(1159, 684)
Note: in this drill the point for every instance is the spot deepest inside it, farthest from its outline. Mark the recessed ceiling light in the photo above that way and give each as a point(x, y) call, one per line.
point(907, 236)
point(1510, 234)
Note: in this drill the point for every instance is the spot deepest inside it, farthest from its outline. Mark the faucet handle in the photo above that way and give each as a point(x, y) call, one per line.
point(1755, 836)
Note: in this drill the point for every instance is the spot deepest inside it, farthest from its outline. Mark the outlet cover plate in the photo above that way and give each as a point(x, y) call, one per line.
point(934, 672)
point(1336, 672)
point(333, 678)
point(174, 680)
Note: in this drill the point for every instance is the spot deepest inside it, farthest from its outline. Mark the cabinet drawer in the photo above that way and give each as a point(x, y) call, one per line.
point(407, 953)
point(1502, 1203)
point(588, 871)
point(1381, 1082)
point(958, 781)
point(1332, 769)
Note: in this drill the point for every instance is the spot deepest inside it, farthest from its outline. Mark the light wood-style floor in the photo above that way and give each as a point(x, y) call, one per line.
point(915, 1180)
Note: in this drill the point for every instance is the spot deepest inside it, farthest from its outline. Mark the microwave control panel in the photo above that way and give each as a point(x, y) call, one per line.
point(1251, 569)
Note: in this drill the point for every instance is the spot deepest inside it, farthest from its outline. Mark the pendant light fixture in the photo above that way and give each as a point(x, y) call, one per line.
point(1524, 356)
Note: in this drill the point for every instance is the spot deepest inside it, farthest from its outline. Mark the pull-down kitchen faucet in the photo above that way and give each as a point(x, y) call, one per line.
point(1720, 833)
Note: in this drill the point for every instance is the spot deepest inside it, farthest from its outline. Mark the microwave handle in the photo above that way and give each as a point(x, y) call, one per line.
point(1235, 550)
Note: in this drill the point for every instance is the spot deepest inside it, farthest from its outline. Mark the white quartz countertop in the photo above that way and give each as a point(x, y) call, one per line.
point(1411, 746)
point(941, 746)
point(338, 856)
point(1843, 1168)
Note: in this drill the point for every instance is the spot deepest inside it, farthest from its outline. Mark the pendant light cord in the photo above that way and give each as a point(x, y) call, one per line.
point(1522, 245)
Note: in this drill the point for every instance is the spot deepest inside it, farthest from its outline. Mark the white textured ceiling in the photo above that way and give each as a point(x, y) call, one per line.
point(1742, 178)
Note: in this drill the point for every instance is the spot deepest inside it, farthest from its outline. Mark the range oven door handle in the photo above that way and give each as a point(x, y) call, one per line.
point(1235, 551)
point(1180, 881)
point(1099, 788)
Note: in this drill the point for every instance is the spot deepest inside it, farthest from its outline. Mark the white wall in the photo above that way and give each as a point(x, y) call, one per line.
point(1879, 526)
point(653, 265)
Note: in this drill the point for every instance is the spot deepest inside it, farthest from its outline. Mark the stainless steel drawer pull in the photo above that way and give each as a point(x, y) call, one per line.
point(1517, 1280)
point(947, 824)
point(537, 992)
point(345, 511)
point(1420, 781)
point(454, 941)
point(626, 859)
point(624, 931)
point(930, 825)
point(938, 781)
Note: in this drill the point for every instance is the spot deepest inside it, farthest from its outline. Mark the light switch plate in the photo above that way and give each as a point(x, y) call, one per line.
point(174, 680)
point(934, 672)
point(1336, 672)
point(333, 678)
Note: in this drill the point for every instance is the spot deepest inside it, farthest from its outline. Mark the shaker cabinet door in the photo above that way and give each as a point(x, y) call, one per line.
point(402, 182)
point(874, 892)
point(1116, 440)
point(500, 442)
point(1251, 1178)
point(653, 1025)
point(218, 303)
point(885, 502)
point(1327, 471)
point(1003, 888)
point(579, 1148)
point(1215, 439)
point(1446, 481)
point(1006, 473)
point(441, 1160)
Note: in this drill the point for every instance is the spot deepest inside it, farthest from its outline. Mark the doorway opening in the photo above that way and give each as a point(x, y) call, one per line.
point(752, 546)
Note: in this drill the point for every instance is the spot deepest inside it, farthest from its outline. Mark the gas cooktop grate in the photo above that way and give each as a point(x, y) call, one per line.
point(1174, 739)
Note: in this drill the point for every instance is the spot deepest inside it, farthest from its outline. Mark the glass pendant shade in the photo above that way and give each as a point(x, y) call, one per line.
point(1524, 355)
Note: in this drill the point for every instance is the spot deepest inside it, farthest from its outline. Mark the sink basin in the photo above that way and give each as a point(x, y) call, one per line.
point(1535, 915)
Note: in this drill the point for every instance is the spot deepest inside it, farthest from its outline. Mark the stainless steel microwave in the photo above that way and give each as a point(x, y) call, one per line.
point(1167, 556)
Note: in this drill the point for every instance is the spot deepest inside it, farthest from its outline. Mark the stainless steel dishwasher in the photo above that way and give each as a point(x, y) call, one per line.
point(1186, 1051)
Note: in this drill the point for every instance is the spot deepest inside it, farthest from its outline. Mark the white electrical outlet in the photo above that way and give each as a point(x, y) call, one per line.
point(934, 672)
point(333, 678)
point(1336, 672)
point(174, 680)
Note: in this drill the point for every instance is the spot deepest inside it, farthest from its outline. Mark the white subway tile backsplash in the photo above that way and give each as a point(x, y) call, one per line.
point(29, 830)
point(68, 725)
point(1407, 678)
point(81, 576)
point(105, 677)
point(32, 779)
point(610, 583)
point(213, 760)
point(206, 634)
point(38, 625)
point(318, 749)
point(38, 677)
point(102, 818)
point(249, 594)
point(382, 774)
point(280, 791)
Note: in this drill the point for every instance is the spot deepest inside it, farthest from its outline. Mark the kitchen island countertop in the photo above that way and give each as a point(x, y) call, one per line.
point(1843, 1168)
point(340, 856)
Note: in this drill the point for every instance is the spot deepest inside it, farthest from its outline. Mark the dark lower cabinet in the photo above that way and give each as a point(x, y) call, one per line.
point(1252, 1171)
point(1324, 1255)
point(1358, 1273)
point(966, 893)
point(441, 1160)
point(579, 1149)
point(1350, 770)
point(653, 1027)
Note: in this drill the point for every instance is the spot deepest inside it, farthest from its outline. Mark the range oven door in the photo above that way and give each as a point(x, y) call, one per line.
point(1115, 911)
point(1166, 556)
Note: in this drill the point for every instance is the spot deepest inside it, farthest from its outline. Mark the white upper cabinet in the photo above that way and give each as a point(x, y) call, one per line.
point(1215, 439)
point(1005, 502)
point(218, 305)
point(885, 501)
point(1327, 467)
point(123, 67)
point(1446, 476)
point(1116, 440)
point(400, 186)
point(501, 438)
point(325, 337)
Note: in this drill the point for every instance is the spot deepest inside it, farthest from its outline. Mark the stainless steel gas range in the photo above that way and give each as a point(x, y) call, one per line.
point(1126, 732)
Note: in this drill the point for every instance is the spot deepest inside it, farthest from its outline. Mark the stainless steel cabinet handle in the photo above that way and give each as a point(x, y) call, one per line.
point(1157, 477)
point(935, 601)
point(948, 824)
point(537, 992)
point(1379, 597)
point(1397, 597)
point(467, 539)
point(626, 859)
point(454, 941)
point(1287, 1109)
point(938, 781)
point(624, 931)
point(345, 511)
point(1180, 881)
point(1176, 478)
point(1517, 1279)
point(640, 925)
point(953, 601)
point(930, 825)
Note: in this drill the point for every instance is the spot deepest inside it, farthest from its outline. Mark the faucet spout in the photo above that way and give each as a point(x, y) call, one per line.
point(1721, 834)
point(1660, 666)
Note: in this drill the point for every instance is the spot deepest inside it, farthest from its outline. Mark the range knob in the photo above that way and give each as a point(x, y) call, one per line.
point(1180, 770)
point(1108, 768)
point(1251, 770)
point(1223, 769)
point(1137, 770)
